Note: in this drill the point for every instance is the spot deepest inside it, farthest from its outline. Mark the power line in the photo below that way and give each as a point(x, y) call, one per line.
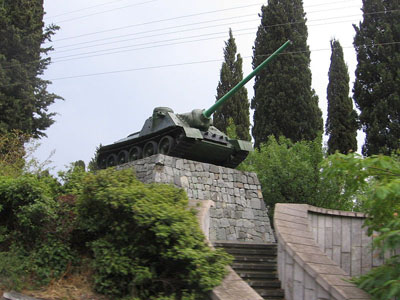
point(106, 11)
point(159, 21)
point(156, 46)
point(179, 31)
point(159, 34)
point(194, 36)
point(202, 62)
point(169, 44)
point(82, 9)
point(155, 30)
point(191, 15)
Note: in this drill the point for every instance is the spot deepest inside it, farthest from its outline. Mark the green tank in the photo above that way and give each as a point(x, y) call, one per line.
point(188, 135)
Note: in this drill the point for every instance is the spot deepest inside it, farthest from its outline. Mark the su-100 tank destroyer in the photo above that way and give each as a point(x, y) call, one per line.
point(188, 135)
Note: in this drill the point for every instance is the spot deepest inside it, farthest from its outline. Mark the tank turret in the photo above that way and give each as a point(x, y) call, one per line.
point(187, 135)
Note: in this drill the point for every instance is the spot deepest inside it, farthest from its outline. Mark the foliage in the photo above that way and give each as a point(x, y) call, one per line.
point(34, 232)
point(144, 241)
point(231, 129)
point(341, 124)
point(290, 173)
point(24, 98)
point(12, 152)
point(237, 107)
point(375, 182)
point(284, 103)
point(377, 83)
point(92, 166)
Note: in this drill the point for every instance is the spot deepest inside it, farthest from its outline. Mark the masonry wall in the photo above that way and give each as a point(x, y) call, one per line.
point(305, 270)
point(344, 240)
point(239, 213)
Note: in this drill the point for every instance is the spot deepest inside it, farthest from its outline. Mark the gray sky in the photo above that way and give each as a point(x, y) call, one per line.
point(149, 53)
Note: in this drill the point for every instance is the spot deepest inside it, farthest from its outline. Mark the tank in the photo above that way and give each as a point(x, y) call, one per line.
point(187, 135)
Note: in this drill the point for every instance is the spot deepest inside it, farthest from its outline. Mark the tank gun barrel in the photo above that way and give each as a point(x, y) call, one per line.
point(208, 112)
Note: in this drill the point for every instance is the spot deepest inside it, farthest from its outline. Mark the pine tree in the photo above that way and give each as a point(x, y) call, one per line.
point(24, 99)
point(377, 85)
point(341, 124)
point(284, 103)
point(236, 108)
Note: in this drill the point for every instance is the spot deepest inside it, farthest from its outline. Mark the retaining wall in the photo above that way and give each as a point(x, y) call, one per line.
point(306, 272)
point(239, 213)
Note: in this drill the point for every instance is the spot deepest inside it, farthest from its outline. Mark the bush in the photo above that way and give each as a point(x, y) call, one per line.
point(144, 240)
point(290, 173)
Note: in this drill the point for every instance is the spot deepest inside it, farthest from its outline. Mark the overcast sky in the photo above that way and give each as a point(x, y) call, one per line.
point(115, 60)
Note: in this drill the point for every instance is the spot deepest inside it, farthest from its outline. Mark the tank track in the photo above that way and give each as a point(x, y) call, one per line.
point(108, 156)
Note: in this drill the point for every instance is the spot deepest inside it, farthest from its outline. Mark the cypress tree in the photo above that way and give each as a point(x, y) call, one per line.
point(284, 103)
point(377, 85)
point(341, 124)
point(24, 98)
point(236, 108)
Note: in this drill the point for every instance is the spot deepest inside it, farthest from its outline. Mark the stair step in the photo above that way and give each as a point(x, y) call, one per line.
point(270, 293)
point(266, 283)
point(252, 267)
point(254, 258)
point(249, 252)
point(244, 245)
point(256, 264)
point(256, 275)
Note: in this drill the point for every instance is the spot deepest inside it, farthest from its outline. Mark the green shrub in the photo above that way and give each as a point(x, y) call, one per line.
point(144, 240)
point(35, 231)
point(26, 207)
point(291, 173)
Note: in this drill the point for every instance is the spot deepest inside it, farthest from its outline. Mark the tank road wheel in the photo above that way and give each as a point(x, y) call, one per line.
point(102, 161)
point(122, 157)
point(166, 144)
point(111, 160)
point(149, 149)
point(135, 153)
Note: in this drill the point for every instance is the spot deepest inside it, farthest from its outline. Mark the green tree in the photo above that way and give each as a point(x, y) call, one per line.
point(237, 108)
point(284, 103)
point(24, 98)
point(290, 173)
point(341, 124)
point(377, 85)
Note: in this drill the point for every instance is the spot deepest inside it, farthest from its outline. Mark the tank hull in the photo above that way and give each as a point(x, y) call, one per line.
point(184, 142)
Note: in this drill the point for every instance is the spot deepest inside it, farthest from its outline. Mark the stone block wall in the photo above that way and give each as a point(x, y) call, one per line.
point(239, 213)
point(341, 236)
point(305, 270)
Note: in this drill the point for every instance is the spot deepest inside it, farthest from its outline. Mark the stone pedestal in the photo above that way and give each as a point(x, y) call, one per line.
point(239, 213)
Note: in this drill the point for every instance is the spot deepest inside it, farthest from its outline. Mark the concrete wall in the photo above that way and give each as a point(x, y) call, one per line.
point(305, 270)
point(239, 213)
point(342, 238)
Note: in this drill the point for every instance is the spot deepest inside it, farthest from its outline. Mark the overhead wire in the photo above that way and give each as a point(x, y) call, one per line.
point(190, 15)
point(103, 12)
point(163, 45)
point(202, 62)
point(159, 21)
point(82, 9)
point(173, 27)
point(132, 46)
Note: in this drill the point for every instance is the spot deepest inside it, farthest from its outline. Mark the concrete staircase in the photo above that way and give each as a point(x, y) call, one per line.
point(257, 265)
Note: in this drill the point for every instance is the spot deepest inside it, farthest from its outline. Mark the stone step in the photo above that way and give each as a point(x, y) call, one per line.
point(254, 258)
point(254, 275)
point(264, 284)
point(254, 266)
point(251, 252)
point(270, 293)
point(251, 245)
